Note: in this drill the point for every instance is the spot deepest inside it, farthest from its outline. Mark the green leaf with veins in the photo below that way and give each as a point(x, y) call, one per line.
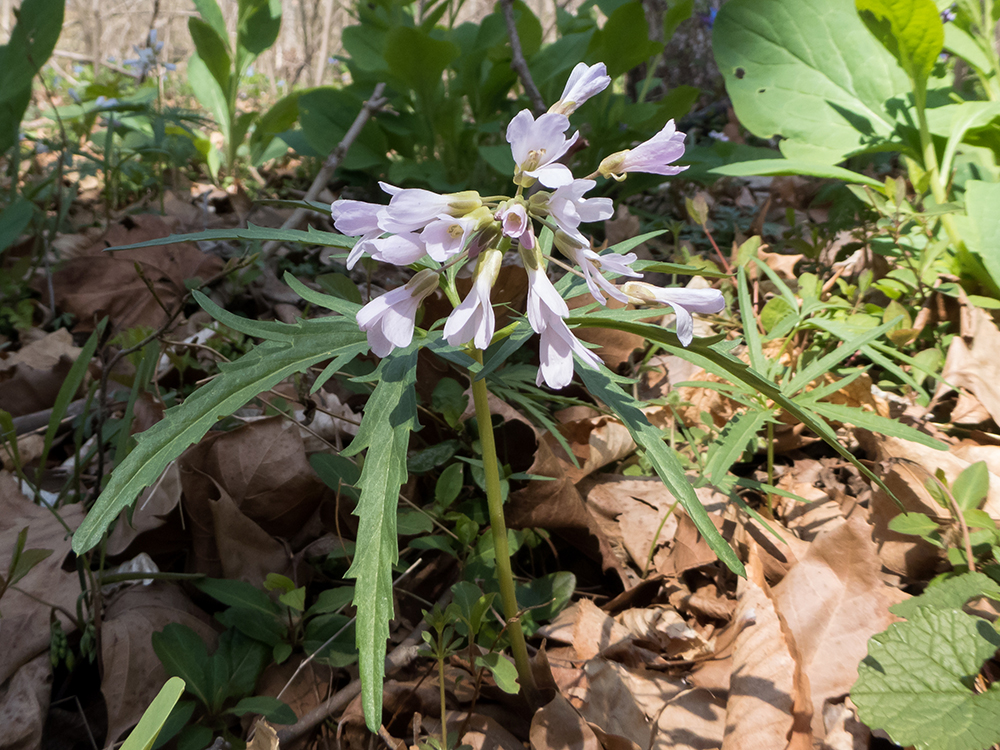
point(952, 593)
point(911, 30)
point(390, 415)
point(917, 682)
point(810, 71)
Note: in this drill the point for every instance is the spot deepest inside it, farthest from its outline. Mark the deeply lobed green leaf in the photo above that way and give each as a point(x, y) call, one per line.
point(262, 368)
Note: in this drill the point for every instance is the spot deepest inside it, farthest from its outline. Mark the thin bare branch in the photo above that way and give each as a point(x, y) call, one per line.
point(517, 61)
point(374, 103)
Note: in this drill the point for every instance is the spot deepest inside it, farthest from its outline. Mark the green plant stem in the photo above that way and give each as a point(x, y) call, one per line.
point(505, 577)
point(444, 710)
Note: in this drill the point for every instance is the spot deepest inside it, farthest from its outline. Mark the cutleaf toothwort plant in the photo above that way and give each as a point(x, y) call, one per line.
point(440, 233)
point(419, 226)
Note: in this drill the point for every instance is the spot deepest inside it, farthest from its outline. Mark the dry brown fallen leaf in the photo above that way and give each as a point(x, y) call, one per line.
point(610, 705)
point(594, 630)
point(149, 512)
point(24, 627)
point(559, 726)
point(769, 704)
point(264, 737)
point(595, 442)
point(556, 505)
point(482, 732)
point(133, 674)
point(31, 378)
point(907, 466)
point(694, 720)
point(244, 488)
point(98, 283)
point(833, 601)
point(972, 361)
point(24, 705)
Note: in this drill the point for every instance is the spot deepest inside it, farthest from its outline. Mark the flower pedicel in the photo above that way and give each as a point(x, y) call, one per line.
point(456, 227)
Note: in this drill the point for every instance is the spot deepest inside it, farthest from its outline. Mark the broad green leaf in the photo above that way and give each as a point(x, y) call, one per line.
point(39, 23)
point(971, 486)
point(389, 416)
point(449, 485)
point(914, 524)
point(270, 708)
point(952, 593)
point(260, 369)
point(326, 113)
point(258, 24)
point(13, 220)
point(211, 13)
point(624, 41)
point(332, 600)
point(418, 60)
point(338, 473)
point(209, 94)
point(212, 49)
point(916, 682)
point(282, 115)
point(765, 167)
point(959, 42)
point(911, 30)
point(810, 71)
point(184, 655)
point(144, 736)
point(251, 232)
point(503, 671)
point(238, 594)
point(980, 227)
point(664, 461)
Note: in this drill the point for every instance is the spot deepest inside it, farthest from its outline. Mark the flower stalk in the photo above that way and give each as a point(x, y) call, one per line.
point(498, 526)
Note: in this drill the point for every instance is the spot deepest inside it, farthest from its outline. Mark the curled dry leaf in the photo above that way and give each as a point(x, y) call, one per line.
point(133, 674)
point(610, 705)
point(596, 442)
point(228, 544)
point(833, 601)
point(24, 627)
point(595, 631)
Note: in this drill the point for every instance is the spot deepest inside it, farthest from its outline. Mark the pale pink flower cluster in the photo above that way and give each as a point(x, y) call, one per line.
point(462, 227)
